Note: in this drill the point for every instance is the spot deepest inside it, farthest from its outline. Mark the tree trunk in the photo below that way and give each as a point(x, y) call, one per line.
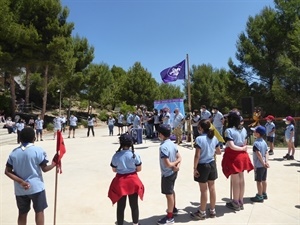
point(27, 91)
point(45, 91)
point(13, 94)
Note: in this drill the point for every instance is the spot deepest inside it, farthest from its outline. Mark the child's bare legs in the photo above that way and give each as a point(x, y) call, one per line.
point(22, 219)
point(39, 218)
point(203, 197)
point(259, 188)
point(235, 179)
point(264, 187)
point(271, 145)
point(212, 194)
point(170, 202)
point(242, 186)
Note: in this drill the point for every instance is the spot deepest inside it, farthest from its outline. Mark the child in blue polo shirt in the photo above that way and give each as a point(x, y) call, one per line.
point(260, 162)
point(24, 166)
point(169, 159)
point(289, 136)
point(126, 163)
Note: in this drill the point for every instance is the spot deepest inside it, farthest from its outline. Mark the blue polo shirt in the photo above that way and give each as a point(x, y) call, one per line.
point(288, 131)
point(124, 162)
point(26, 163)
point(270, 126)
point(261, 146)
point(168, 150)
point(208, 148)
point(39, 124)
point(217, 119)
point(205, 115)
point(237, 136)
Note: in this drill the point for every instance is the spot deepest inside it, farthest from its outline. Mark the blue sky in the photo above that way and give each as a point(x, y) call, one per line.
point(159, 33)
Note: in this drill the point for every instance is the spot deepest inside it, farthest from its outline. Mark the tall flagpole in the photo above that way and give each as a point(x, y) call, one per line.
point(189, 138)
point(56, 181)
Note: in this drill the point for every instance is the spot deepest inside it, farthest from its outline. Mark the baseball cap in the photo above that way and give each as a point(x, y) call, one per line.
point(164, 129)
point(270, 117)
point(259, 129)
point(288, 118)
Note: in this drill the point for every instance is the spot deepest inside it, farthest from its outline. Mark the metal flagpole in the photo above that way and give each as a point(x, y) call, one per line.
point(56, 181)
point(189, 138)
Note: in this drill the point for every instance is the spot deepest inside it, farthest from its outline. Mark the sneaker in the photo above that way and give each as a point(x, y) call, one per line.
point(241, 206)
point(233, 205)
point(166, 221)
point(291, 157)
point(42, 140)
point(175, 211)
point(286, 156)
point(198, 215)
point(68, 136)
point(265, 196)
point(271, 152)
point(257, 198)
point(212, 213)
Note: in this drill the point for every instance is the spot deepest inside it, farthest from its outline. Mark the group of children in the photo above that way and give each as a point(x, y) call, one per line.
point(126, 163)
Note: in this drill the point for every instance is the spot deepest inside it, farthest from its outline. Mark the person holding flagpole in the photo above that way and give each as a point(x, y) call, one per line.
point(24, 166)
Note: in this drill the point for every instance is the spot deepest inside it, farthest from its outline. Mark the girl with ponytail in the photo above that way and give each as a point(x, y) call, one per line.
point(205, 169)
point(126, 163)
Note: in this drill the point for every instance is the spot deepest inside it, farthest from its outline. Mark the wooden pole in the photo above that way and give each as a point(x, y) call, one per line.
point(55, 196)
point(56, 181)
point(189, 138)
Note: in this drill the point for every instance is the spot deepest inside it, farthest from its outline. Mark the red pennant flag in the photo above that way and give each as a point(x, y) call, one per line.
point(60, 149)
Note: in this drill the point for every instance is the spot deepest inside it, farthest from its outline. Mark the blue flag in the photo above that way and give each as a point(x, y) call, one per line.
point(173, 73)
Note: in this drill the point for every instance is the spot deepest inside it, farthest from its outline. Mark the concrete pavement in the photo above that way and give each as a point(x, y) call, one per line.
point(83, 185)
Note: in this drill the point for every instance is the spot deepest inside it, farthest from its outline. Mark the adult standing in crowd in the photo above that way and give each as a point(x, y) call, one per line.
point(178, 123)
point(39, 123)
point(73, 124)
point(120, 123)
point(57, 125)
point(166, 119)
point(20, 126)
point(156, 121)
point(195, 121)
point(91, 122)
point(218, 121)
point(63, 123)
point(10, 125)
point(205, 114)
point(31, 122)
point(111, 124)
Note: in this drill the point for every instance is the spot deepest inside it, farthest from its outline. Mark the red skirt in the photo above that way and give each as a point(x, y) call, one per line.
point(125, 184)
point(235, 162)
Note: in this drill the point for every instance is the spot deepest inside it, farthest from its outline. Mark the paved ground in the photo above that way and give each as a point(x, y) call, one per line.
point(83, 186)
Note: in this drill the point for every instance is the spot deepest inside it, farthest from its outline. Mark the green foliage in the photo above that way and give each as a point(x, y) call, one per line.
point(126, 108)
point(5, 101)
point(103, 115)
point(49, 127)
point(83, 105)
point(140, 87)
point(83, 123)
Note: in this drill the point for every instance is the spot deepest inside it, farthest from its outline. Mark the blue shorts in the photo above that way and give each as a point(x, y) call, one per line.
point(39, 131)
point(39, 202)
